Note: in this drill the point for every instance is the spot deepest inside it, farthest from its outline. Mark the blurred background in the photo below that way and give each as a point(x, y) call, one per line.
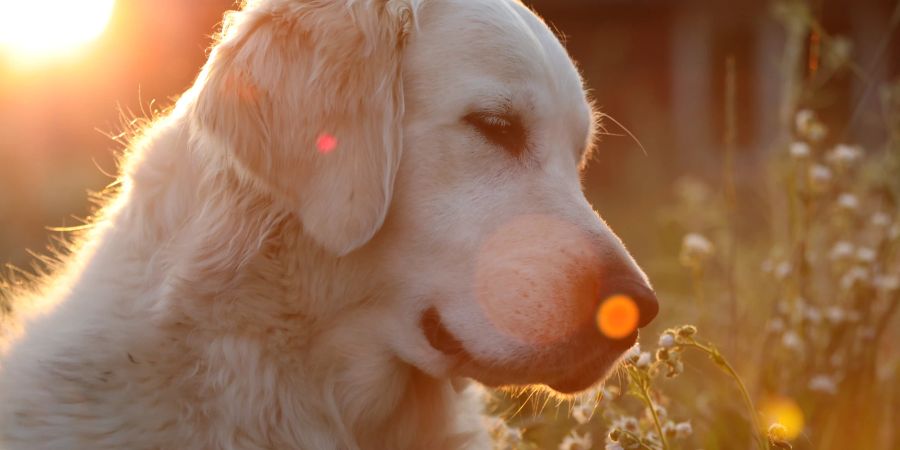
point(656, 66)
point(714, 90)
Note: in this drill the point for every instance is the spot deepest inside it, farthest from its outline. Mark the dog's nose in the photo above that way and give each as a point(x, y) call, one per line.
point(622, 279)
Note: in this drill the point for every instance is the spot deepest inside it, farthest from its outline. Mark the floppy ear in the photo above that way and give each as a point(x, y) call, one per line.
point(305, 100)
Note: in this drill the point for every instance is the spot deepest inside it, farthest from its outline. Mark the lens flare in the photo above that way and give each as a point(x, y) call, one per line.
point(326, 143)
point(618, 317)
point(32, 29)
point(785, 411)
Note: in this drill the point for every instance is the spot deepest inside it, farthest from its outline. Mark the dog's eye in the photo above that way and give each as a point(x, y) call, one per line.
point(504, 130)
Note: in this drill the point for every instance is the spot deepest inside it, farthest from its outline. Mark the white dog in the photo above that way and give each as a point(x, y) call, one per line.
point(358, 203)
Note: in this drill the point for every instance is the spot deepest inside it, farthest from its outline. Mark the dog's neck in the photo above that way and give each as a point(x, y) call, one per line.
point(267, 315)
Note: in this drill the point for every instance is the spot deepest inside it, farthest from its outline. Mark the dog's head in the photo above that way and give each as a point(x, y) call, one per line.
point(445, 139)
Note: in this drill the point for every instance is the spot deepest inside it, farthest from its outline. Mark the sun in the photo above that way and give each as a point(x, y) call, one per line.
point(37, 29)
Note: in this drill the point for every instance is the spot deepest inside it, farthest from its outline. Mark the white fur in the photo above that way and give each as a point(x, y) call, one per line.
point(244, 291)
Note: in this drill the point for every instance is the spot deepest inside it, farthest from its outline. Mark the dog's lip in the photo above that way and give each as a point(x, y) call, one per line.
point(574, 379)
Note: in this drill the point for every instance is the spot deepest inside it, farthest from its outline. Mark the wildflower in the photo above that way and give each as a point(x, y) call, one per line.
point(843, 156)
point(574, 441)
point(644, 360)
point(800, 150)
point(687, 331)
point(823, 383)
point(674, 368)
point(775, 325)
point(841, 250)
point(667, 339)
point(783, 270)
point(695, 250)
point(855, 276)
point(812, 314)
point(819, 177)
point(894, 232)
point(633, 353)
point(683, 430)
point(887, 283)
point(614, 446)
point(583, 411)
point(848, 202)
point(791, 341)
point(880, 220)
point(835, 314)
point(629, 424)
point(661, 412)
point(668, 429)
point(804, 119)
point(778, 436)
point(866, 255)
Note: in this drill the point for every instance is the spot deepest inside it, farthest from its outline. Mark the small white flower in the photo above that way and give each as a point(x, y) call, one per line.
point(633, 353)
point(813, 315)
point(841, 250)
point(848, 201)
point(776, 325)
point(629, 424)
point(583, 411)
point(843, 156)
point(800, 150)
point(574, 441)
point(894, 232)
point(854, 276)
point(819, 177)
point(887, 283)
point(783, 270)
point(614, 446)
point(824, 384)
point(881, 220)
point(644, 360)
point(683, 429)
point(866, 255)
point(835, 314)
point(791, 340)
point(695, 250)
point(666, 340)
point(803, 119)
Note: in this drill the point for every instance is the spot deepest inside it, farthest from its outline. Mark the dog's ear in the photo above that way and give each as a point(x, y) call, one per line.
point(305, 100)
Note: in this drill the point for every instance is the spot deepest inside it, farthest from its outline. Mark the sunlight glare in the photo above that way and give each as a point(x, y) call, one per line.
point(34, 29)
point(785, 411)
point(618, 317)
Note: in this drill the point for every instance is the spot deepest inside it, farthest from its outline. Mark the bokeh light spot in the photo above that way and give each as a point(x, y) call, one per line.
point(785, 411)
point(326, 143)
point(618, 316)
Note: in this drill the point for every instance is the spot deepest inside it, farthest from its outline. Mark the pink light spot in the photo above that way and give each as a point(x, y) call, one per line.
point(326, 143)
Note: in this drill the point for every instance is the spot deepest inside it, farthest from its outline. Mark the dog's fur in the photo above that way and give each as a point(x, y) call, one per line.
point(243, 290)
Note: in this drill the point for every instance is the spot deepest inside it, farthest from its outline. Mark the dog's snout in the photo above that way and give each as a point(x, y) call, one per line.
point(621, 279)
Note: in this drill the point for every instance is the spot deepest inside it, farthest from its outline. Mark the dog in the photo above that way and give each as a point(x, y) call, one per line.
point(358, 205)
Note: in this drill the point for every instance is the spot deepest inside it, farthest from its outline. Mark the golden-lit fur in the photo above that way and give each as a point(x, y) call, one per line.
point(243, 290)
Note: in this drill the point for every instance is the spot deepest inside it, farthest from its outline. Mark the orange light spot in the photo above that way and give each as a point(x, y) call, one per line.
point(326, 143)
point(618, 316)
point(785, 411)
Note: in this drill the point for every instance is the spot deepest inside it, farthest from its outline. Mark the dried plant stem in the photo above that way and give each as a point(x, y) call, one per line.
point(717, 357)
point(640, 379)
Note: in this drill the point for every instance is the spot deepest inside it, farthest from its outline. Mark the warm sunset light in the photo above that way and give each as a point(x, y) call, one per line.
point(784, 411)
point(618, 316)
point(35, 29)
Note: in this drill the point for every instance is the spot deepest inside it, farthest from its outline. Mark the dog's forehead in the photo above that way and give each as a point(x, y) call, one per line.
point(480, 45)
